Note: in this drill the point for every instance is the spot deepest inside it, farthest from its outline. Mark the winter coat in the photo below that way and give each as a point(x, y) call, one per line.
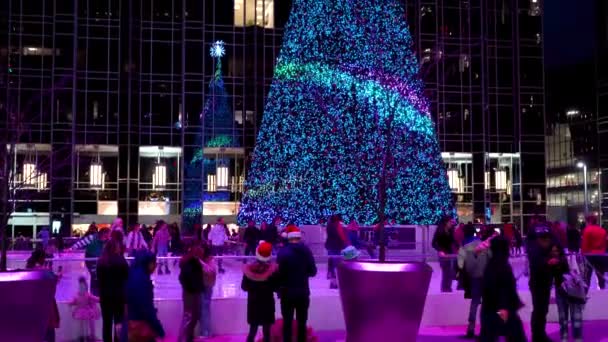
point(540, 273)
point(217, 235)
point(574, 239)
point(161, 238)
point(252, 236)
point(271, 234)
point(594, 240)
point(209, 272)
point(260, 283)
point(473, 262)
point(443, 241)
point(335, 240)
point(177, 246)
point(135, 241)
point(92, 244)
point(499, 291)
point(191, 275)
point(140, 294)
point(296, 266)
point(113, 274)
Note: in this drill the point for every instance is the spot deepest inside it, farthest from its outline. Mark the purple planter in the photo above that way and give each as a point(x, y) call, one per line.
point(383, 301)
point(27, 299)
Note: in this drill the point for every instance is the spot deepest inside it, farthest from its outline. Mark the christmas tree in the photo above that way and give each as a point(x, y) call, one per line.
point(217, 119)
point(346, 127)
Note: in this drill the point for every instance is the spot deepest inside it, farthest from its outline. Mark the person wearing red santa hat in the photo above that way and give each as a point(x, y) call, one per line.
point(260, 282)
point(296, 266)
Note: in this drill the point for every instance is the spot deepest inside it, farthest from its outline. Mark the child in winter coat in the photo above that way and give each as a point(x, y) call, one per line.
point(259, 281)
point(86, 311)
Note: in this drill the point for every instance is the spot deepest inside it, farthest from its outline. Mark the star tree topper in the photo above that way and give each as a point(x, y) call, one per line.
point(217, 49)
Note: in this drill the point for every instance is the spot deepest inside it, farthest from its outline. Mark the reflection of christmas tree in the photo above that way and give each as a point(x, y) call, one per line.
point(217, 120)
point(346, 127)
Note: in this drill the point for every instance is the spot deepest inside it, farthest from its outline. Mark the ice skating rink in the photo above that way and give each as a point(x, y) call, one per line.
point(444, 313)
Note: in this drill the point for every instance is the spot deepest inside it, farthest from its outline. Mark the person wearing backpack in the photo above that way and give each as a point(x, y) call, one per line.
point(472, 263)
point(570, 295)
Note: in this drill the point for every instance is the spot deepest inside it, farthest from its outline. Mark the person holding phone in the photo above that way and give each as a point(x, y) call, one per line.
point(499, 300)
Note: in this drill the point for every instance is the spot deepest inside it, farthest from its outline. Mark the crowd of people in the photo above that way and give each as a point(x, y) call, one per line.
point(558, 257)
point(120, 292)
point(475, 255)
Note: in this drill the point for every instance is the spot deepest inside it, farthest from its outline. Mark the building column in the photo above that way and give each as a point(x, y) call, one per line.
point(480, 200)
point(129, 135)
point(128, 182)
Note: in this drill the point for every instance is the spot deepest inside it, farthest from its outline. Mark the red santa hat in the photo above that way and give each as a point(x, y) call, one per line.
point(264, 251)
point(293, 232)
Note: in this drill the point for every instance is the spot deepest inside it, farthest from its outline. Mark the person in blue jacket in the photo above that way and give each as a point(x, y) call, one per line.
point(140, 296)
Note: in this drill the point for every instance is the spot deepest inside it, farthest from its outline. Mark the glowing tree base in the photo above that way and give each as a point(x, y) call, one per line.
point(383, 301)
point(27, 301)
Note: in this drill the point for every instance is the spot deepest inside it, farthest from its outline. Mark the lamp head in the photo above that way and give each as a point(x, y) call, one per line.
point(580, 165)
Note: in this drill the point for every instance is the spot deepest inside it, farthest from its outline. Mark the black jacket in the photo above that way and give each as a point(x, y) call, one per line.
point(252, 236)
point(574, 239)
point(191, 275)
point(140, 293)
point(296, 266)
point(499, 290)
point(260, 283)
point(271, 234)
point(113, 274)
point(443, 241)
point(541, 275)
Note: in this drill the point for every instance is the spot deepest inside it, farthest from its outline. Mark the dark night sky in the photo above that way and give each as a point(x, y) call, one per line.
point(569, 31)
point(569, 52)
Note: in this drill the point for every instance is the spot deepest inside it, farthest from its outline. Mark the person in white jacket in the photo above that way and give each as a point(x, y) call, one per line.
point(218, 238)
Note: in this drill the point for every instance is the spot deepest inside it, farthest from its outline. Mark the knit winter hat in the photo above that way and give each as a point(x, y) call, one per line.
point(350, 253)
point(264, 251)
point(293, 232)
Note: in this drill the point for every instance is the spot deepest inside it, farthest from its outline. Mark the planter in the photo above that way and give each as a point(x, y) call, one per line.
point(27, 299)
point(383, 301)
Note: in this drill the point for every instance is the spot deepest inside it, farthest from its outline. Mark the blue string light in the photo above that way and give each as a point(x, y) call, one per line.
point(345, 80)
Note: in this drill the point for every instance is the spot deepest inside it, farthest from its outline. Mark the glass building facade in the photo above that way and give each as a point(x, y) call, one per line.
point(602, 99)
point(122, 108)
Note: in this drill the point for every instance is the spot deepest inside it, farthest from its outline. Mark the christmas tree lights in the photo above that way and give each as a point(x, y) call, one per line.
point(217, 119)
point(345, 115)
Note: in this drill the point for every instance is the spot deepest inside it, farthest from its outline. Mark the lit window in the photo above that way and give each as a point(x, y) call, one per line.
point(39, 51)
point(254, 13)
point(534, 8)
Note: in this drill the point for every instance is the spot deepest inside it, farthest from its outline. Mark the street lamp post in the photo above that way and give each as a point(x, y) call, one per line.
point(583, 166)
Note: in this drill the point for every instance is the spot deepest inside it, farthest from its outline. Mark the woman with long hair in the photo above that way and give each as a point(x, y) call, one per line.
point(113, 272)
point(500, 302)
point(335, 243)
